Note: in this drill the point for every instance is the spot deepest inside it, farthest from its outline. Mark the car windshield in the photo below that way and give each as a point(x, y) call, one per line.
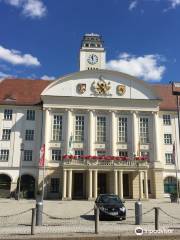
point(110, 199)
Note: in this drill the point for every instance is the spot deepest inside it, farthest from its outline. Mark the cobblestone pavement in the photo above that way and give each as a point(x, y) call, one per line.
point(77, 217)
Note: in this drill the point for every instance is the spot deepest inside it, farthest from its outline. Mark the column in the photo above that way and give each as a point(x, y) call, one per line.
point(115, 182)
point(91, 132)
point(146, 184)
point(156, 137)
point(121, 184)
point(69, 184)
point(135, 133)
point(47, 137)
point(95, 183)
point(64, 183)
point(140, 185)
point(13, 187)
point(90, 184)
point(69, 131)
point(113, 134)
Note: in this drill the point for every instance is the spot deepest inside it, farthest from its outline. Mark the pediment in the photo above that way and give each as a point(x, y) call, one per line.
point(100, 84)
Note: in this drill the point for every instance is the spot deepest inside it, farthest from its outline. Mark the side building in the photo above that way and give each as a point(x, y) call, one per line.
point(104, 132)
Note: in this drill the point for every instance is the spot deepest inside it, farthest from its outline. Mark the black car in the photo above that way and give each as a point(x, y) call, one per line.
point(110, 206)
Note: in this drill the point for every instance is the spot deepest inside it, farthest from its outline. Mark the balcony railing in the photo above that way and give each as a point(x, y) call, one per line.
point(105, 161)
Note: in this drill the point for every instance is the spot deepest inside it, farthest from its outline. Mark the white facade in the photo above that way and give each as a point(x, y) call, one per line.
point(94, 112)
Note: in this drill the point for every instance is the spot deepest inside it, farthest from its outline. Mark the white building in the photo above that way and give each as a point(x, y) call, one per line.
point(95, 125)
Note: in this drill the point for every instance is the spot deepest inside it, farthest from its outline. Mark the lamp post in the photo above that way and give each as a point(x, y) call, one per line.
point(20, 170)
point(176, 93)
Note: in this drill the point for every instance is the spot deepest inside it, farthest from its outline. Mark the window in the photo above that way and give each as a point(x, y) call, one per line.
point(123, 153)
point(101, 152)
point(29, 136)
point(79, 129)
point(144, 130)
point(8, 114)
point(167, 138)
point(4, 155)
point(54, 188)
point(169, 158)
point(57, 128)
point(30, 115)
point(166, 119)
point(79, 152)
point(56, 154)
point(27, 155)
point(6, 134)
point(101, 129)
point(122, 130)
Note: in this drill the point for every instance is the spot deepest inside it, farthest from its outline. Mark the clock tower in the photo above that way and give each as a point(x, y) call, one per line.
point(92, 52)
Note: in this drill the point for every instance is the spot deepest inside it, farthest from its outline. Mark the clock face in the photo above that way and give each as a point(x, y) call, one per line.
point(92, 59)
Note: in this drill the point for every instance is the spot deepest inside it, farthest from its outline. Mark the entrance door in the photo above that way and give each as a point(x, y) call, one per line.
point(5, 185)
point(126, 185)
point(27, 187)
point(78, 186)
point(102, 185)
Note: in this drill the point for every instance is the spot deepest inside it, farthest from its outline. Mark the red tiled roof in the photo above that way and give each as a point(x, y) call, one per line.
point(164, 91)
point(27, 92)
point(21, 91)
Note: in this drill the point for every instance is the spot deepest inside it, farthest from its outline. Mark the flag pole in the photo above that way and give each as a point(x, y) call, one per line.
point(43, 156)
point(43, 179)
point(175, 156)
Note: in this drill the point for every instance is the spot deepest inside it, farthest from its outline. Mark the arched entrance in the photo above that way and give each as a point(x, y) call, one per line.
point(170, 185)
point(27, 187)
point(5, 186)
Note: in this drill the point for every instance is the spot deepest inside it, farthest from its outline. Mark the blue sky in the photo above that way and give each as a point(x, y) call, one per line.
point(41, 39)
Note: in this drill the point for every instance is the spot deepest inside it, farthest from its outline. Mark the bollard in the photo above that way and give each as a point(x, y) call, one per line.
point(96, 220)
point(138, 213)
point(33, 220)
point(39, 209)
point(156, 218)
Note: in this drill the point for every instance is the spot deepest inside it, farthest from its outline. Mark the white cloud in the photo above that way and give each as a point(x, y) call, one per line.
point(15, 57)
point(3, 75)
point(15, 3)
point(30, 8)
point(132, 5)
point(46, 77)
point(174, 3)
point(146, 67)
point(34, 9)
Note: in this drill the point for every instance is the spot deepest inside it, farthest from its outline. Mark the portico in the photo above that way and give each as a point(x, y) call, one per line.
point(102, 180)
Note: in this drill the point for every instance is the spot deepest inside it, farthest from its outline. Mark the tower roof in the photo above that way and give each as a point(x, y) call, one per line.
point(92, 40)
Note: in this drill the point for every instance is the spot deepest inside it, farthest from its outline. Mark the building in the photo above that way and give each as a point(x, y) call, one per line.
point(104, 132)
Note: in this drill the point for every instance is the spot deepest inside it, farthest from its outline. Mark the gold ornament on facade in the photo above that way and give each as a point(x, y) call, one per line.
point(121, 89)
point(81, 87)
point(101, 87)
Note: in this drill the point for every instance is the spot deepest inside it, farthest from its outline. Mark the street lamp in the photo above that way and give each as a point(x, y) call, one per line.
point(176, 92)
point(20, 170)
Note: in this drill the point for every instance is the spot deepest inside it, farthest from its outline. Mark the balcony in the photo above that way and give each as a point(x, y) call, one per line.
point(105, 161)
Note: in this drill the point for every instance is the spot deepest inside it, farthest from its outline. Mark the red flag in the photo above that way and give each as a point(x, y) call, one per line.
point(174, 156)
point(42, 156)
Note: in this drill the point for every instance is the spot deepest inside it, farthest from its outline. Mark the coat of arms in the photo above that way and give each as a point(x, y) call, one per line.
point(121, 89)
point(81, 87)
point(101, 87)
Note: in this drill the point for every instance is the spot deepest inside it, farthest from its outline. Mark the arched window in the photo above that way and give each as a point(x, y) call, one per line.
point(170, 185)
